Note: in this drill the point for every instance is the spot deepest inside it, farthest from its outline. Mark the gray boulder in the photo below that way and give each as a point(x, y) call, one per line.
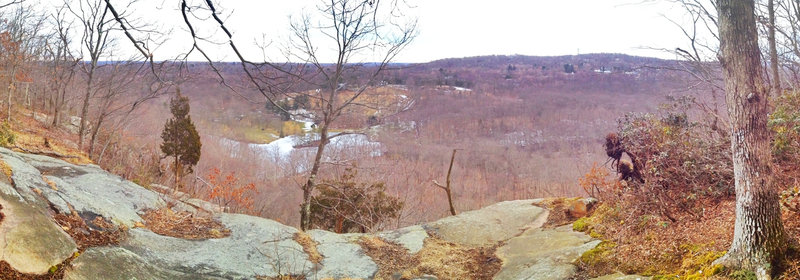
point(412, 238)
point(543, 253)
point(342, 257)
point(118, 263)
point(85, 188)
point(256, 247)
point(491, 224)
point(32, 242)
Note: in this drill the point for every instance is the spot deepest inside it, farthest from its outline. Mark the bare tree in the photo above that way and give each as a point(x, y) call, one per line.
point(21, 42)
point(447, 189)
point(9, 3)
point(97, 23)
point(347, 31)
point(62, 65)
point(759, 238)
point(106, 84)
point(773, 49)
point(352, 28)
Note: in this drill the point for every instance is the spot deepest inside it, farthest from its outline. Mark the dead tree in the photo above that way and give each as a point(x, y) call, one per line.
point(446, 187)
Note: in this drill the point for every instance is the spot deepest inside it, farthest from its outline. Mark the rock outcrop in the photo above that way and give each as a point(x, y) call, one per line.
point(39, 187)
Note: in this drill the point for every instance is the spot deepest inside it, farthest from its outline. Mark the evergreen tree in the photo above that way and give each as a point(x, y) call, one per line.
point(181, 141)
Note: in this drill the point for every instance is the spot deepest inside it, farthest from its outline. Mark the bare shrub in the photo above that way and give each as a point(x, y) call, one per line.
point(344, 205)
point(680, 160)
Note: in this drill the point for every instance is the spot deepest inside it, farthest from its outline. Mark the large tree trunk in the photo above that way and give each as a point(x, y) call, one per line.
point(759, 238)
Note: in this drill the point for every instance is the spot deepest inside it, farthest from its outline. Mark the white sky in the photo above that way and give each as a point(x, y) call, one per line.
point(452, 28)
point(456, 28)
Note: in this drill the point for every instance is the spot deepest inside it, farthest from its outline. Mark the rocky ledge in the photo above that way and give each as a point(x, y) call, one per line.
point(507, 238)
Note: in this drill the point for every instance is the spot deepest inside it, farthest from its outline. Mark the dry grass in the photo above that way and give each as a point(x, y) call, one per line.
point(50, 183)
point(95, 233)
point(33, 141)
point(184, 225)
point(559, 211)
point(652, 245)
point(445, 260)
point(35, 137)
point(391, 258)
point(309, 246)
point(7, 172)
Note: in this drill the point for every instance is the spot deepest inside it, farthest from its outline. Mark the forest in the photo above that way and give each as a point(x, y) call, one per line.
point(348, 139)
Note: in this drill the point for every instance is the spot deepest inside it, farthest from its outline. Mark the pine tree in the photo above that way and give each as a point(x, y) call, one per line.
point(181, 141)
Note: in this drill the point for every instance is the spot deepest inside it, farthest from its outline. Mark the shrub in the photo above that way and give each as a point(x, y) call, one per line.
point(228, 193)
point(596, 184)
point(784, 123)
point(343, 205)
point(292, 128)
point(7, 136)
point(681, 160)
point(581, 224)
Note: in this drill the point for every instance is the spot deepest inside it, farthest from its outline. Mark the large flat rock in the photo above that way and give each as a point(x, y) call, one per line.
point(118, 263)
point(543, 254)
point(412, 238)
point(32, 242)
point(342, 257)
point(256, 247)
point(84, 188)
point(492, 224)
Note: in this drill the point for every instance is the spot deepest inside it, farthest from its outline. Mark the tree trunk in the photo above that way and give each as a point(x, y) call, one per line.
point(56, 113)
point(85, 107)
point(84, 113)
point(177, 172)
point(759, 238)
point(773, 50)
point(93, 138)
point(11, 87)
point(446, 187)
point(305, 208)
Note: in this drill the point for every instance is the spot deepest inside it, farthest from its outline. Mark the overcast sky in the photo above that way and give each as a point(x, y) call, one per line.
point(456, 28)
point(452, 28)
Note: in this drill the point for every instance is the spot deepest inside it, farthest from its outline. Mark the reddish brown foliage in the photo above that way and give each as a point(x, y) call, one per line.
point(95, 233)
point(596, 183)
point(228, 193)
